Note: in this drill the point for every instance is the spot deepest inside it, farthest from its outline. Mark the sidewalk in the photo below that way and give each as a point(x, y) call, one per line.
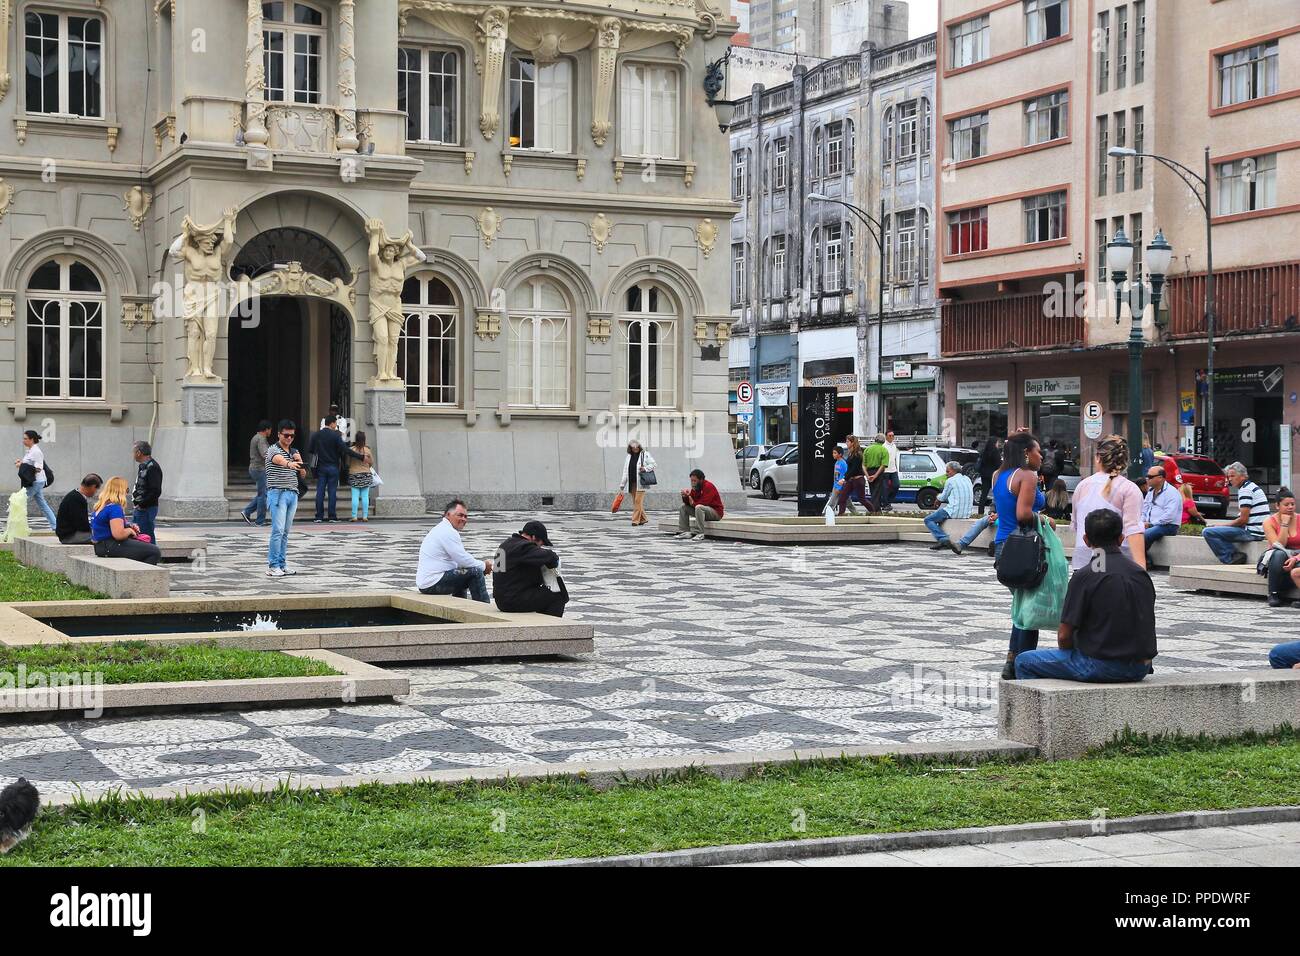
point(1265, 844)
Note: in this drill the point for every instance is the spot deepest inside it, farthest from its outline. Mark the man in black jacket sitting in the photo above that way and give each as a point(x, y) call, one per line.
point(73, 525)
point(518, 573)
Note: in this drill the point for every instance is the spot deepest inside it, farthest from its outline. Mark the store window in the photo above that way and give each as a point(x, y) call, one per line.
point(1058, 420)
point(908, 413)
point(980, 420)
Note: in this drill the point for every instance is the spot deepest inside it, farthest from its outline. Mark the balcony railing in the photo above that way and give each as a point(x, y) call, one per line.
point(1013, 323)
point(1253, 299)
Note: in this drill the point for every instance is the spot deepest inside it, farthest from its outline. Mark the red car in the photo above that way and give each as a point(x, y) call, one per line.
point(1210, 489)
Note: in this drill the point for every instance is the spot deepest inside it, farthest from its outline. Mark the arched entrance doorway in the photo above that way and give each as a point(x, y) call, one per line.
point(290, 341)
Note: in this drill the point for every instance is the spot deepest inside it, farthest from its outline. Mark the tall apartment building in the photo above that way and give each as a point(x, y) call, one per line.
point(1033, 95)
point(805, 270)
point(827, 28)
point(494, 271)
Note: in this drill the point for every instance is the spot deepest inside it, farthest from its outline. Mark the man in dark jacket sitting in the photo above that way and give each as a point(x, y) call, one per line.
point(518, 573)
point(73, 525)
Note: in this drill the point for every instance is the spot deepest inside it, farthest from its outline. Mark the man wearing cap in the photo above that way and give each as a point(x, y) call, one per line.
point(520, 578)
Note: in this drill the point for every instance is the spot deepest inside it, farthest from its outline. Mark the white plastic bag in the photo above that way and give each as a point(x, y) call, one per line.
point(829, 513)
point(375, 480)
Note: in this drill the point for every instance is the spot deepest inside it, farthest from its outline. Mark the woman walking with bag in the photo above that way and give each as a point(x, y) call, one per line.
point(855, 479)
point(361, 476)
point(1107, 487)
point(1016, 492)
point(33, 475)
point(638, 475)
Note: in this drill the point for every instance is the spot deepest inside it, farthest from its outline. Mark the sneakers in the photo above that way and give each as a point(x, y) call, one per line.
point(697, 537)
point(682, 534)
point(1275, 600)
point(317, 520)
point(286, 572)
point(248, 519)
point(938, 545)
point(275, 572)
point(1238, 558)
point(954, 547)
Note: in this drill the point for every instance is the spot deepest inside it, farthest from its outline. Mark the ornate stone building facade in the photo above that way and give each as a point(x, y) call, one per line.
point(485, 230)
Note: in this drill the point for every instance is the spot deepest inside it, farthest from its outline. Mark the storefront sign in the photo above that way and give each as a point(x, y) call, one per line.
point(848, 380)
point(1187, 408)
point(902, 370)
point(816, 439)
point(774, 394)
point(1243, 381)
point(1065, 386)
point(981, 391)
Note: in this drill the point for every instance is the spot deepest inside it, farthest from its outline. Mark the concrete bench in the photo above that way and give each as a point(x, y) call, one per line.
point(45, 552)
point(1223, 578)
point(118, 577)
point(1064, 719)
point(1184, 549)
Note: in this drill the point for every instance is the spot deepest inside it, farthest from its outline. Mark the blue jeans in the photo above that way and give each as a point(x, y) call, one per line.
point(37, 493)
point(283, 503)
point(1073, 665)
point(327, 483)
point(1223, 538)
point(145, 518)
point(1157, 531)
point(934, 520)
point(1285, 656)
point(258, 503)
point(975, 531)
point(1021, 641)
point(460, 581)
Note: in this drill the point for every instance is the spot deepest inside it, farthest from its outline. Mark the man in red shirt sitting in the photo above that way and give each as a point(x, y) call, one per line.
point(701, 503)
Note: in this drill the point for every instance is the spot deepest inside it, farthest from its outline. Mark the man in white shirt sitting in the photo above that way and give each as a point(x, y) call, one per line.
point(1162, 510)
point(445, 566)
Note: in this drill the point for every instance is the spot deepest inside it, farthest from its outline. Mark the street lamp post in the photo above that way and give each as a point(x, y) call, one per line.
point(875, 227)
point(1193, 179)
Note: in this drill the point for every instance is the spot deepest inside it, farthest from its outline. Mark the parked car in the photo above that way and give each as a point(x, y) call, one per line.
point(746, 459)
point(1209, 483)
point(922, 472)
point(780, 476)
point(773, 453)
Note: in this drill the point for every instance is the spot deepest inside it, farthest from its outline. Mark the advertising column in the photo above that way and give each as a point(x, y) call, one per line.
point(816, 439)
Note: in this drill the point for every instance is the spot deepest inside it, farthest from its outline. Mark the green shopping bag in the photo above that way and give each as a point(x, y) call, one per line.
point(1039, 608)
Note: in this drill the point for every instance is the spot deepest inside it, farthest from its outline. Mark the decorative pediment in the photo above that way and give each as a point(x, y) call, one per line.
point(293, 280)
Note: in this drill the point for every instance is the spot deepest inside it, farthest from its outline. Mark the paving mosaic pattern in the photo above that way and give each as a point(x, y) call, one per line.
point(701, 647)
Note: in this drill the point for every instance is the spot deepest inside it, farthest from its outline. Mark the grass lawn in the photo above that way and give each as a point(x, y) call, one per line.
point(21, 583)
point(430, 824)
point(138, 662)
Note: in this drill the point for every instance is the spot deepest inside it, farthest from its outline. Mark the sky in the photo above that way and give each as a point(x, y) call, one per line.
point(923, 16)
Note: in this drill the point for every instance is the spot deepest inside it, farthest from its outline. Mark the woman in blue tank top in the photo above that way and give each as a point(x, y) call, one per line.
point(1016, 492)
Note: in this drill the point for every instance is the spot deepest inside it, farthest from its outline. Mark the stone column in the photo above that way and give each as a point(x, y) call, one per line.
point(606, 44)
point(255, 79)
point(347, 138)
point(395, 452)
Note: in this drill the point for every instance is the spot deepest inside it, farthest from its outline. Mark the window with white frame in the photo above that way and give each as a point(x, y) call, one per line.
point(1046, 20)
point(834, 149)
point(1102, 46)
point(923, 249)
point(905, 240)
point(541, 97)
point(1121, 47)
point(64, 53)
point(1139, 41)
point(1247, 184)
point(1047, 117)
point(833, 277)
point(294, 39)
point(887, 136)
point(65, 331)
point(968, 42)
point(1103, 153)
point(426, 351)
point(907, 138)
point(781, 163)
point(738, 273)
point(1044, 216)
point(776, 267)
point(649, 327)
point(538, 346)
point(649, 97)
point(739, 173)
point(427, 92)
point(968, 136)
point(1248, 73)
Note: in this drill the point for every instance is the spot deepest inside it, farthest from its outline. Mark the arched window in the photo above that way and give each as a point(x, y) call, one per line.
point(649, 326)
point(65, 331)
point(887, 136)
point(294, 39)
point(818, 160)
point(538, 345)
point(426, 352)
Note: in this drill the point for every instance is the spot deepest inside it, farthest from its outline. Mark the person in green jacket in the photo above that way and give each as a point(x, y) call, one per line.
point(874, 462)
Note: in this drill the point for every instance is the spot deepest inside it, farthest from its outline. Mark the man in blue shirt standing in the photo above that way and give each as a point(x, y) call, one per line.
point(956, 500)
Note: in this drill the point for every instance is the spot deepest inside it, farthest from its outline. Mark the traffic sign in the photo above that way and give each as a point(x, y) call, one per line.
point(1092, 412)
point(1092, 420)
point(744, 393)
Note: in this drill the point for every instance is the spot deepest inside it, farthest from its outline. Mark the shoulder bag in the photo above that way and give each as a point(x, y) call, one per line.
point(1023, 560)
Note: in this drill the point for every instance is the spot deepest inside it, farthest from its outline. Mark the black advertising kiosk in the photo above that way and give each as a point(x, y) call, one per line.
point(816, 439)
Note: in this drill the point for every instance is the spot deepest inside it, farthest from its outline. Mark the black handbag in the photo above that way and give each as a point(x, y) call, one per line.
point(49, 477)
point(1023, 560)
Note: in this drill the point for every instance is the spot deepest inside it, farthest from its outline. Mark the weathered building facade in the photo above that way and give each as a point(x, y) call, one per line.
point(488, 231)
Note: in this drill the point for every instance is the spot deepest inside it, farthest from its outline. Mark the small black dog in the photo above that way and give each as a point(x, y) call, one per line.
point(19, 804)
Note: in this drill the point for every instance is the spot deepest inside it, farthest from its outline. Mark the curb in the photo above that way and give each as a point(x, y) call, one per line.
point(931, 839)
point(598, 774)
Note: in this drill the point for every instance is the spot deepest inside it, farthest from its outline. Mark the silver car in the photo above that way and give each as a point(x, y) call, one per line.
point(746, 459)
point(780, 476)
point(765, 457)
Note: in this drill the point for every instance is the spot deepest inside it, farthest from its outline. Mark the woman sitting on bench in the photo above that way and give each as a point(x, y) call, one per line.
point(111, 535)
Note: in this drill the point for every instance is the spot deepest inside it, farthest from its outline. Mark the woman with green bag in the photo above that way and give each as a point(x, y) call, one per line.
point(1035, 609)
point(1016, 492)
